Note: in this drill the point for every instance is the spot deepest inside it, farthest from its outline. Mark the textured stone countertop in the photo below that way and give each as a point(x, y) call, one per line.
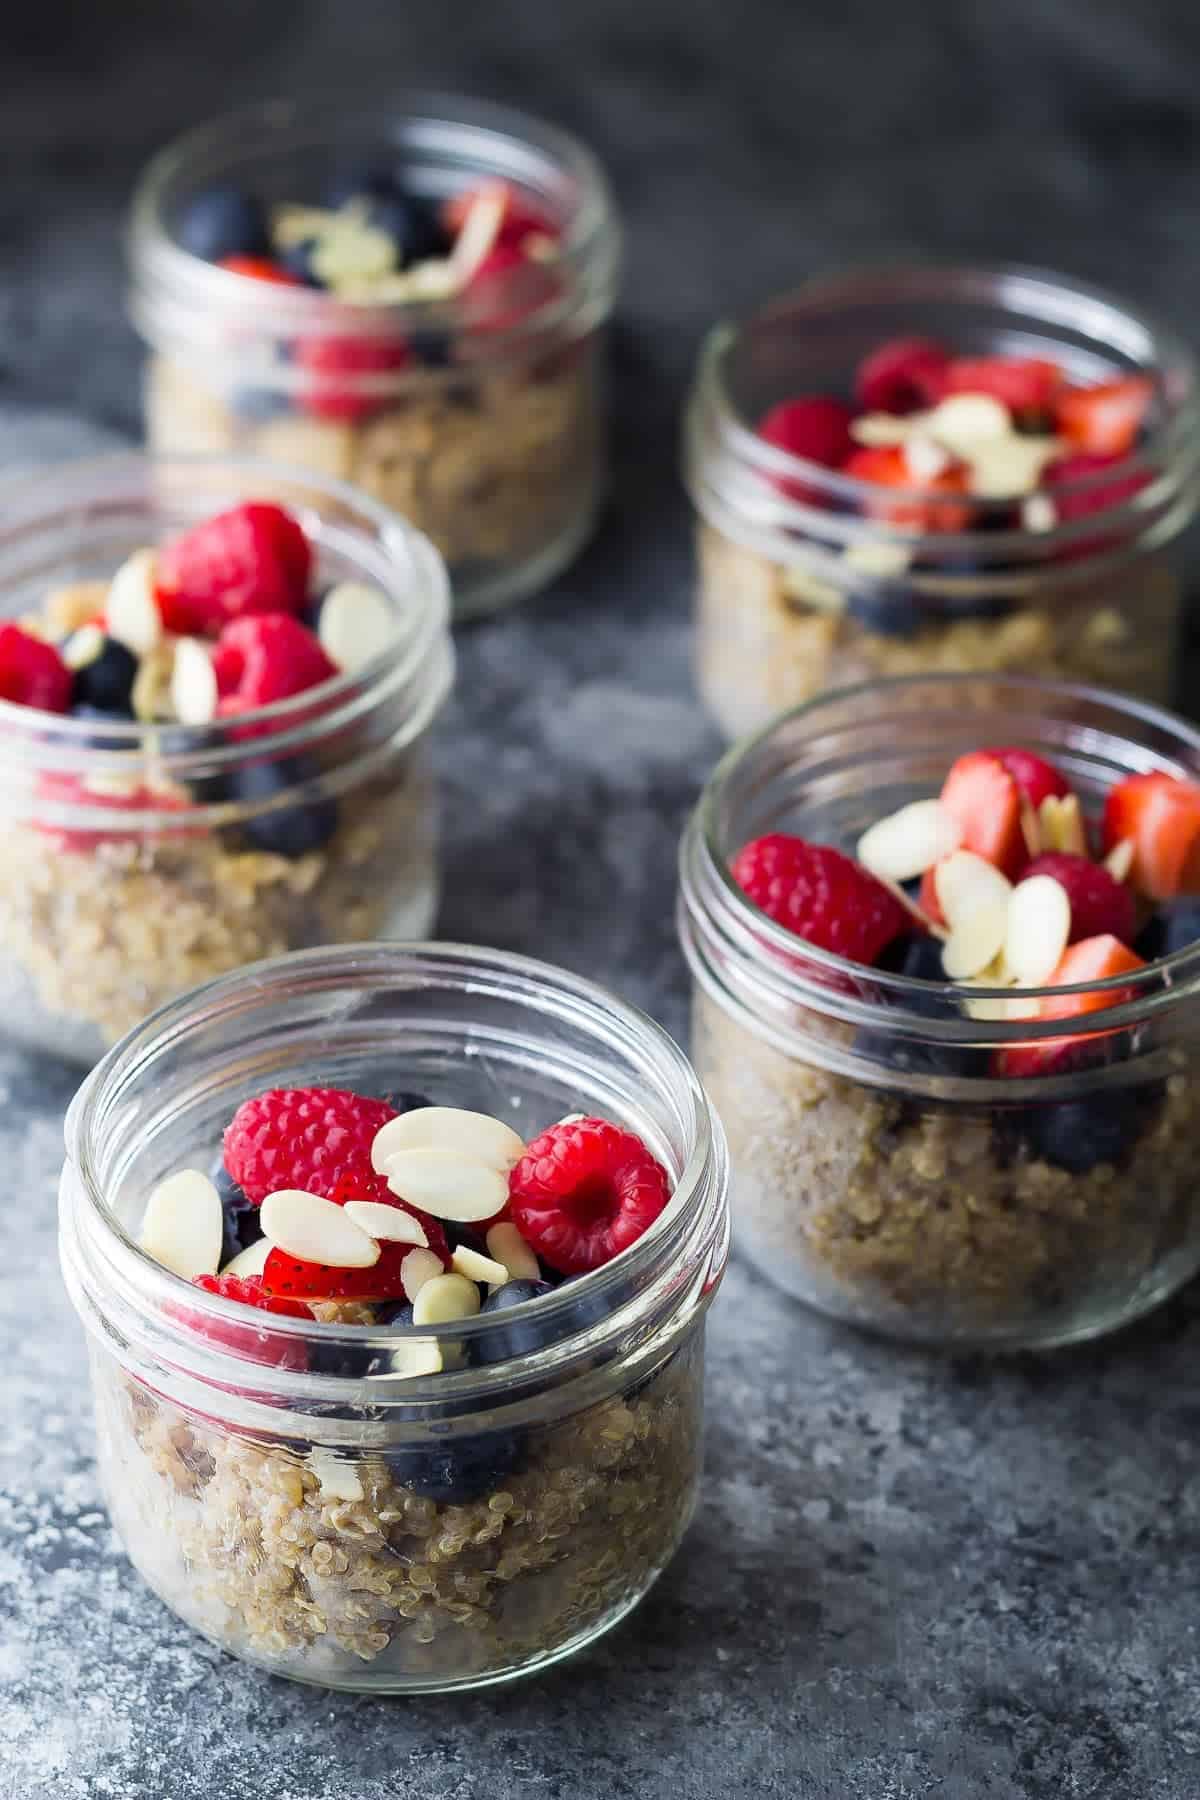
point(908, 1576)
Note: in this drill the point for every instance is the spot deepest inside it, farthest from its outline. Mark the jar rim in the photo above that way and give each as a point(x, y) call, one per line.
point(824, 981)
point(698, 1203)
point(588, 248)
point(1164, 472)
point(421, 657)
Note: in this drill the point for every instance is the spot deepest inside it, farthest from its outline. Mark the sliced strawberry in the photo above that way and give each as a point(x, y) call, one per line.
point(296, 1280)
point(1094, 959)
point(814, 427)
point(901, 376)
point(1081, 465)
point(373, 1186)
point(259, 268)
point(1037, 779)
point(984, 797)
point(506, 289)
point(332, 363)
point(252, 1341)
point(520, 220)
point(1106, 419)
point(888, 467)
point(1025, 384)
point(1161, 814)
point(1100, 905)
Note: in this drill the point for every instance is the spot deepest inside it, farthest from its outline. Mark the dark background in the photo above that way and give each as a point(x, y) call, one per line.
point(909, 1577)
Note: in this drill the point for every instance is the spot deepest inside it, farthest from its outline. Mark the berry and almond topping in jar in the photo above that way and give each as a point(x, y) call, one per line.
point(192, 801)
point(928, 508)
point(944, 1135)
point(419, 327)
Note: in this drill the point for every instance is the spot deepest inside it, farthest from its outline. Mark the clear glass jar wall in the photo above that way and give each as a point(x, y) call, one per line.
point(140, 859)
point(884, 1172)
point(803, 586)
point(490, 439)
point(290, 1492)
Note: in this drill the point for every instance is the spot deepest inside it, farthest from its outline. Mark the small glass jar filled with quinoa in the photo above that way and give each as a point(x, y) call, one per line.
point(412, 298)
point(930, 469)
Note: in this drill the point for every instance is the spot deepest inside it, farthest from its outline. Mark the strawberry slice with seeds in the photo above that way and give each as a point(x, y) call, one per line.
point(367, 1184)
point(1027, 385)
point(887, 467)
point(986, 801)
point(1161, 815)
point(1104, 420)
point(251, 1341)
point(293, 1279)
point(901, 376)
point(1037, 779)
point(585, 1191)
point(1094, 959)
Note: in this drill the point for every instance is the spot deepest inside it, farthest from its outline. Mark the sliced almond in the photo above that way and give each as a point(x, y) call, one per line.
point(883, 561)
point(315, 1230)
point(355, 625)
point(182, 1226)
point(130, 608)
point(1004, 467)
point(447, 1185)
point(479, 230)
point(1031, 828)
point(474, 1135)
point(908, 842)
point(251, 1261)
point(966, 883)
point(1038, 513)
point(925, 458)
point(387, 1224)
point(445, 1299)
point(964, 421)
point(974, 941)
point(422, 1357)
point(1119, 860)
point(878, 431)
point(418, 1267)
point(193, 683)
point(1062, 824)
point(506, 1244)
point(1039, 926)
point(68, 607)
point(477, 1267)
point(83, 647)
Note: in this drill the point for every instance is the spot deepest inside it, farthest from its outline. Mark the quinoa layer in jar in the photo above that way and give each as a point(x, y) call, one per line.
point(937, 470)
point(965, 1112)
point(413, 300)
point(334, 1480)
point(212, 733)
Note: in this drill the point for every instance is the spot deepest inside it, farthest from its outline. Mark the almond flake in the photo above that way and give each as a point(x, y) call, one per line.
point(974, 941)
point(879, 431)
point(251, 1261)
point(130, 608)
point(447, 1185)
point(964, 421)
point(884, 561)
point(1039, 513)
point(182, 1227)
point(193, 683)
point(1031, 828)
point(925, 457)
point(423, 1357)
point(477, 1267)
point(478, 233)
point(74, 604)
point(1062, 824)
point(418, 1267)
point(83, 647)
point(1010, 466)
point(355, 626)
point(966, 883)
point(446, 1299)
point(315, 1230)
point(506, 1244)
point(151, 696)
point(474, 1135)
point(1039, 925)
point(387, 1224)
point(908, 842)
point(1119, 860)
point(822, 596)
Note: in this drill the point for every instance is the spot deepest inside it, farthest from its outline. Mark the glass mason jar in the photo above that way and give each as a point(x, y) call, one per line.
point(802, 587)
point(291, 1492)
point(886, 1173)
point(140, 858)
point(490, 438)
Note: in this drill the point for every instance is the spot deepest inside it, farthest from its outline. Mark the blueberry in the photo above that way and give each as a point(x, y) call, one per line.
point(1171, 928)
point(917, 955)
point(241, 1223)
point(893, 611)
point(104, 687)
point(290, 831)
point(431, 347)
point(396, 1312)
point(982, 606)
point(223, 221)
point(461, 1469)
point(411, 223)
point(524, 1337)
point(297, 260)
point(1078, 1135)
point(895, 1051)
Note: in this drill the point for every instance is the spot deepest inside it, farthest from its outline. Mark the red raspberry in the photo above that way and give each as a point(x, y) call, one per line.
point(901, 376)
point(821, 895)
point(815, 428)
point(1036, 778)
point(252, 559)
point(1100, 905)
point(305, 1138)
point(584, 1192)
point(32, 673)
point(327, 358)
point(267, 657)
point(250, 1341)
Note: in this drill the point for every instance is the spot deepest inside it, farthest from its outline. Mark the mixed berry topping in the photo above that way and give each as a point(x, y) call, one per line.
point(412, 1214)
point(966, 432)
point(372, 239)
